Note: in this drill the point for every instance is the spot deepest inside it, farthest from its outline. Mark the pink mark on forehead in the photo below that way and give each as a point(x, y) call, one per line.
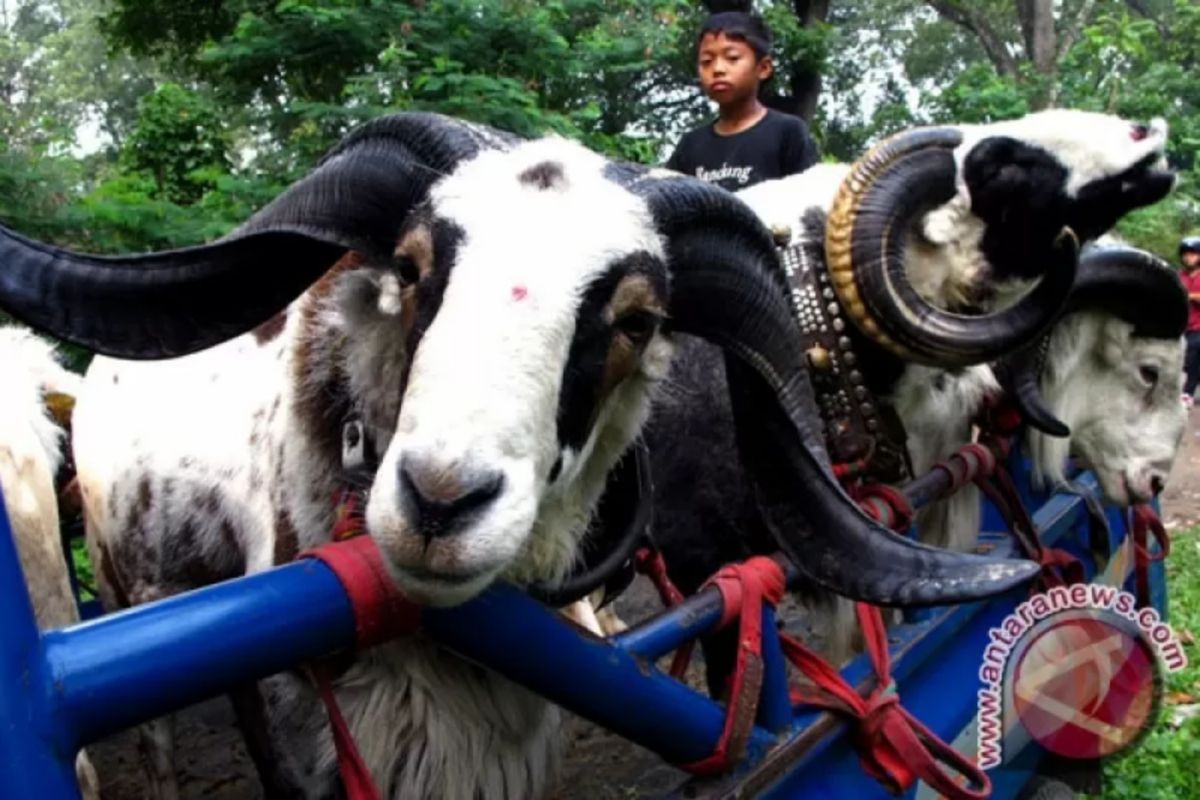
point(519, 293)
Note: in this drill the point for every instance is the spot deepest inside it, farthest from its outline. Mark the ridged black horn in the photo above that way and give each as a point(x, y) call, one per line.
point(728, 287)
point(1132, 285)
point(1021, 376)
point(884, 194)
point(168, 304)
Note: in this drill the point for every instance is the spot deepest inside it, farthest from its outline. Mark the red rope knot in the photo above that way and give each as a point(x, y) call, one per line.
point(886, 504)
point(875, 714)
point(1146, 523)
point(381, 613)
point(894, 747)
point(744, 588)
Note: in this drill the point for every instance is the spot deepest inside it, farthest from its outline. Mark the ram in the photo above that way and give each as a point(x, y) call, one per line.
point(31, 453)
point(489, 325)
point(967, 215)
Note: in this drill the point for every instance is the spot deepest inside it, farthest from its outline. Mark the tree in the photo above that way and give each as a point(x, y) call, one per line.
point(1029, 50)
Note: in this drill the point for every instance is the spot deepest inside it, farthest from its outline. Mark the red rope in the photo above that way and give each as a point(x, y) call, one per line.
point(381, 613)
point(356, 778)
point(893, 746)
point(744, 588)
point(1059, 567)
point(1145, 522)
point(650, 562)
point(886, 504)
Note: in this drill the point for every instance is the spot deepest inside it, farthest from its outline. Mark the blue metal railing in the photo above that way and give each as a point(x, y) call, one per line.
point(64, 689)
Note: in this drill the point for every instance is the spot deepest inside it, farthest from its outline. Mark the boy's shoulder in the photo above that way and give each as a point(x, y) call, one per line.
point(784, 122)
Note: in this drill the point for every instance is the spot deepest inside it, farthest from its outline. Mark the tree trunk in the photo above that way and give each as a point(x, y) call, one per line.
point(963, 15)
point(1037, 28)
point(806, 81)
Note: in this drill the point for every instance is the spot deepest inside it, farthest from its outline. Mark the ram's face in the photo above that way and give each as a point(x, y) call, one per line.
point(537, 290)
point(1130, 435)
point(1026, 179)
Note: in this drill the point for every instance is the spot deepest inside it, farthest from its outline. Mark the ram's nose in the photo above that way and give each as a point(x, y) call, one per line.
point(439, 498)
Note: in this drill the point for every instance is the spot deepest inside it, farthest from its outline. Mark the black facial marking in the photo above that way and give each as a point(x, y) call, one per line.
point(583, 374)
point(446, 238)
point(1099, 204)
point(546, 175)
point(1018, 190)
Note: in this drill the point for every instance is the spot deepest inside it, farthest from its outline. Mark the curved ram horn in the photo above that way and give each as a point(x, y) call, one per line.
point(884, 194)
point(1128, 283)
point(728, 287)
point(1020, 374)
point(168, 304)
point(1133, 286)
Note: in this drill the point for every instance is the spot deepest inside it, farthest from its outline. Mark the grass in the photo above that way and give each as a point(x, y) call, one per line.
point(83, 568)
point(1164, 764)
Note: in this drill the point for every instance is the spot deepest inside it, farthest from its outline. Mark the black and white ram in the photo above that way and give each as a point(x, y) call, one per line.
point(498, 316)
point(976, 216)
point(1103, 386)
point(31, 453)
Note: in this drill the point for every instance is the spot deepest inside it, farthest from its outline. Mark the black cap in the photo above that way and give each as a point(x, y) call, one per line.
point(1189, 244)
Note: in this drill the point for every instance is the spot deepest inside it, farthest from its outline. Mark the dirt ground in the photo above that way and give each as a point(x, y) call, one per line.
point(212, 763)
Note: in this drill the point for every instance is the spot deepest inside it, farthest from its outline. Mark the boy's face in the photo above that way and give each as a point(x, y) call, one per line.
point(729, 69)
point(1191, 260)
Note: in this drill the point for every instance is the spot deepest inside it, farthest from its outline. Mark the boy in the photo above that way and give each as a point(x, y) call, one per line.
point(748, 143)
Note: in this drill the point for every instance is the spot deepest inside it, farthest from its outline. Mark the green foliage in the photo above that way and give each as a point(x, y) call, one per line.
point(179, 142)
point(978, 94)
point(83, 568)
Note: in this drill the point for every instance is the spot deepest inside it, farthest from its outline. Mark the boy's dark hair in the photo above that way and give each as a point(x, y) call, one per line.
point(742, 26)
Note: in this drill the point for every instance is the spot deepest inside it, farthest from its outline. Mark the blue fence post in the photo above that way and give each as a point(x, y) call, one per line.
point(33, 763)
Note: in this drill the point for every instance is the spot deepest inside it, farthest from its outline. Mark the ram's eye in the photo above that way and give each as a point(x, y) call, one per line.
point(407, 269)
point(1148, 374)
point(637, 326)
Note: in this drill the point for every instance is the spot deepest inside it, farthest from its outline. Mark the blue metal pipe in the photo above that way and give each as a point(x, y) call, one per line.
point(138, 664)
point(667, 631)
point(775, 702)
point(588, 676)
point(32, 763)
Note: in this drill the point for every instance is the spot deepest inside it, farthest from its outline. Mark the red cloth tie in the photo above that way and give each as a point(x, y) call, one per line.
point(650, 562)
point(1146, 523)
point(893, 746)
point(744, 588)
point(381, 613)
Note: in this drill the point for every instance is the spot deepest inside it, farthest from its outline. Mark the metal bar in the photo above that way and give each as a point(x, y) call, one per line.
point(665, 632)
point(139, 664)
point(588, 676)
point(775, 704)
point(32, 762)
point(133, 666)
point(693, 617)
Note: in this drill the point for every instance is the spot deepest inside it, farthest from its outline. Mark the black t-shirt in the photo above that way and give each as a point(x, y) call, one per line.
point(777, 145)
